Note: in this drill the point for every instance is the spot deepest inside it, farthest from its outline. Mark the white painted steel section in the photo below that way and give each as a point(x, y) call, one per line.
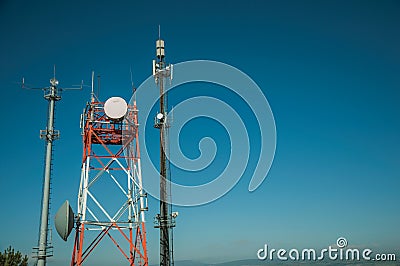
point(99, 205)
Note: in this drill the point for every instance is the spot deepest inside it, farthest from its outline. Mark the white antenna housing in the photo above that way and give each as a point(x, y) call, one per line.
point(115, 108)
point(160, 52)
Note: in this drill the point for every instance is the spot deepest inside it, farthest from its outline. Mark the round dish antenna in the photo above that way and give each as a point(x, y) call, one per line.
point(64, 220)
point(115, 108)
point(160, 116)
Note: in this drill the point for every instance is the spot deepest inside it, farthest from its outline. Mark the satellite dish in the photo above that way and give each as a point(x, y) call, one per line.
point(115, 108)
point(160, 116)
point(64, 220)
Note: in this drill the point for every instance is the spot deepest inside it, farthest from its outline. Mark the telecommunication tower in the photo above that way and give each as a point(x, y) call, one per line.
point(52, 94)
point(44, 249)
point(165, 220)
point(111, 160)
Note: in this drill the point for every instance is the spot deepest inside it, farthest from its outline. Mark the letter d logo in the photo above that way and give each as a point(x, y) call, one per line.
point(262, 253)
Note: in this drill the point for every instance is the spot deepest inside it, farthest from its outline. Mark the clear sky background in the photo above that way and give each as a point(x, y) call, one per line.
point(329, 69)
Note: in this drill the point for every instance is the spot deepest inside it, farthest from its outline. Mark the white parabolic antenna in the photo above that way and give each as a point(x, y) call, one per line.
point(115, 107)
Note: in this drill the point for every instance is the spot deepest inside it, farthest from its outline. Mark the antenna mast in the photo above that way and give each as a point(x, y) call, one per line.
point(164, 220)
point(52, 94)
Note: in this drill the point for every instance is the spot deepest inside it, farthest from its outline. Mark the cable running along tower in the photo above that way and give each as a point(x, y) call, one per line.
point(165, 220)
point(111, 199)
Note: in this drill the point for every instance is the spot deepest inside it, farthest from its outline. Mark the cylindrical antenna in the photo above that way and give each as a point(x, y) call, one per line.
point(92, 93)
point(98, 86)
point(133, 86)
point(160, 51)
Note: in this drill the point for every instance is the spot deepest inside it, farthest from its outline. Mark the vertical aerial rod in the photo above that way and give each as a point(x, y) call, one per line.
point(164, 220)
point(49, 134)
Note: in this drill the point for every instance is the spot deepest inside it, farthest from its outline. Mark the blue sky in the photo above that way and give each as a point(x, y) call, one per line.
point(329, 69)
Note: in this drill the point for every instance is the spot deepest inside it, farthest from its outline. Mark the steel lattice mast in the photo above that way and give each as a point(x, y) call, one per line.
point(165, 221)
point(111, 153)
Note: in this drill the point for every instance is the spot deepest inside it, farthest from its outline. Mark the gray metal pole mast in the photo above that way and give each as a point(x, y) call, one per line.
point(165, 221)
point(49, 134)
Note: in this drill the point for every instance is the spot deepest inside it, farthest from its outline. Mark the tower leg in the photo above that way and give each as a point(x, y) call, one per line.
point(78, 246)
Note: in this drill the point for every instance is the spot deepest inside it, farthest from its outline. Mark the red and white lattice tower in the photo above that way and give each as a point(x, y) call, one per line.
point(111, 199)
